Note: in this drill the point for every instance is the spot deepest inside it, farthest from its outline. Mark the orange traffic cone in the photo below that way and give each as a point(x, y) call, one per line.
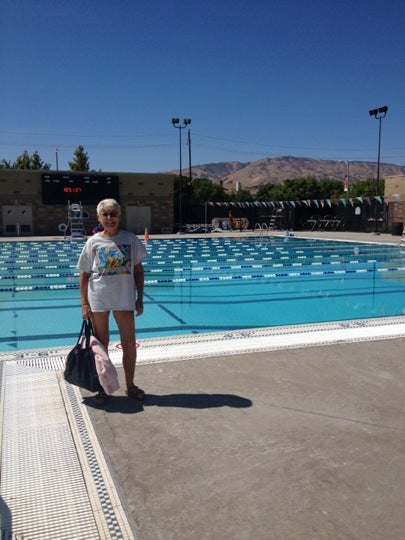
point(146, 235)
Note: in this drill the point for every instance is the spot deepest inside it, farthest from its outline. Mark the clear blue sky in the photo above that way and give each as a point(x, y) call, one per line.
point(258, 78)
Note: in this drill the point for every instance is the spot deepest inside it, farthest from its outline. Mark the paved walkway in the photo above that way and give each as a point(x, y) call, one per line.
point(292, 444)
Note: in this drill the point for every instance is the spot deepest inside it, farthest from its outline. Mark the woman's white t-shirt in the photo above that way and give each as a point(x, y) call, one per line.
point(110, 261)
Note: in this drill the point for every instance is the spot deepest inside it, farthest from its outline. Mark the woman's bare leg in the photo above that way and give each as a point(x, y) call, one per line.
point(126, 326)
point(99, 320)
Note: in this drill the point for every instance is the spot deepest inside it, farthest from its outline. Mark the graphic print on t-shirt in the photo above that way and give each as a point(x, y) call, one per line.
point(113, 260)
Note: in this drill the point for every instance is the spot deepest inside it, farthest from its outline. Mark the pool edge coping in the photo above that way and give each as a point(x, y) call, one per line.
point(186, 346)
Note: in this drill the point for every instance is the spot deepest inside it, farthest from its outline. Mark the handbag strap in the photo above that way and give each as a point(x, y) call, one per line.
point(87, 330)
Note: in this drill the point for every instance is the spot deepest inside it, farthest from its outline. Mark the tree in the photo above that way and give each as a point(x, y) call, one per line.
point(330, 189)
point(270, 192)
point(241, 195)
point(366, 188)
point(301, 189)
point(23, 161)
point(4, 164)
point(80, 161)
point(37, 163)
point(34, 162)
point(204, 190)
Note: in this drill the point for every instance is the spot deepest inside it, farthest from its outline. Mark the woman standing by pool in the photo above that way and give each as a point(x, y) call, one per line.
point(112, 280)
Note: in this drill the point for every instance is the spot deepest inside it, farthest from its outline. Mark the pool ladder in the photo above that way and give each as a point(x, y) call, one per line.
point(262, 228)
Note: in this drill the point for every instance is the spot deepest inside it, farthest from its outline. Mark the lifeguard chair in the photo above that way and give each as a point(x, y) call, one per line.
point(75, 225)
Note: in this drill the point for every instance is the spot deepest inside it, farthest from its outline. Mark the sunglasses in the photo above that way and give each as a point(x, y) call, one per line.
point(111, 214)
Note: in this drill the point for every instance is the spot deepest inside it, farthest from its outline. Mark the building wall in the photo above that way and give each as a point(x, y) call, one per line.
point(23, 188)
point(394, 190)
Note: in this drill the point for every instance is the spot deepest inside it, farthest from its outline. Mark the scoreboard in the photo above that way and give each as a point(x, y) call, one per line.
point(60, 188)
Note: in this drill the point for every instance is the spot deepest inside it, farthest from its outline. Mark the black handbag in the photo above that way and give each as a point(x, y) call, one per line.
point(80, 366)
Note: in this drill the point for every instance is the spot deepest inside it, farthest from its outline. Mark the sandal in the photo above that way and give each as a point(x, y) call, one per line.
point(100, 398)
point(134, 392)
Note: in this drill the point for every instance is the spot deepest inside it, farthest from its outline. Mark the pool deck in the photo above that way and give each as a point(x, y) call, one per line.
point(321, 235)
point(292, 435)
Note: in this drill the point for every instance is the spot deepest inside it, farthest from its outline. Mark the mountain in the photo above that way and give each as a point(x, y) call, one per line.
point(253, 174)
point(217, 172)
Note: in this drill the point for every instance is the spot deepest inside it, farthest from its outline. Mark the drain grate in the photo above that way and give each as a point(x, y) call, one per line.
point(44, 495)
point(41, 474)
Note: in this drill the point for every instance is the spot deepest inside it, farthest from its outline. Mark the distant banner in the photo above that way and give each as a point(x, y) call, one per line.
point(310, 202)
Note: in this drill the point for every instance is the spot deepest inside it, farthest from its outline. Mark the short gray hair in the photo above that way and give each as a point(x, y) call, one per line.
point(108, 204)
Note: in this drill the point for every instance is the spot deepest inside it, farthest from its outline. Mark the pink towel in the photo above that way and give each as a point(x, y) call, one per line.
point(107, 373)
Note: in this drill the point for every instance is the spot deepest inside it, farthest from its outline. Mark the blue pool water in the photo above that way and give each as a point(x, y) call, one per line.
point(204, 285)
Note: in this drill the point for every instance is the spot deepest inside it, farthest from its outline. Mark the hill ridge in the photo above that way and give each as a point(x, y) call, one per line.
point(251, 175)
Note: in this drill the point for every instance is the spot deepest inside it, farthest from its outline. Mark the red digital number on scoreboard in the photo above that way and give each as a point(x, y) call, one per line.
point(72, 189)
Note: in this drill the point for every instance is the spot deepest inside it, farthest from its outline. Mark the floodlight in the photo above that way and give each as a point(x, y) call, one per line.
point(177, 125)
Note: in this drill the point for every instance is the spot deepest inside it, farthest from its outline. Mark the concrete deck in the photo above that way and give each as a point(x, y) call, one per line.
point(297, 442)
point(300, 444)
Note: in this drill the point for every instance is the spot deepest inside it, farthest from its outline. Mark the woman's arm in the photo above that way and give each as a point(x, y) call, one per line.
point(139, 286)
point(84, 287)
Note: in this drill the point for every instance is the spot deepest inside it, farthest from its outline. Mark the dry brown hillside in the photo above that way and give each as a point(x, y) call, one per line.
point(275, 170)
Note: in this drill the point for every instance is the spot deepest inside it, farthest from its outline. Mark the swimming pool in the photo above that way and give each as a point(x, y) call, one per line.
point(209, 284)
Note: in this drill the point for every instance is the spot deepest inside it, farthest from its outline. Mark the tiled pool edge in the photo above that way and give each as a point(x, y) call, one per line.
point(235, 342)
point(268, 339)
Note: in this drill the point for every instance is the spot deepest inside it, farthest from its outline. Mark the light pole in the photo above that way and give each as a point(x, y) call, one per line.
point(346, 191)
point(379, 114)
point(347, 178)
point(176, 124)
point(189, 156)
